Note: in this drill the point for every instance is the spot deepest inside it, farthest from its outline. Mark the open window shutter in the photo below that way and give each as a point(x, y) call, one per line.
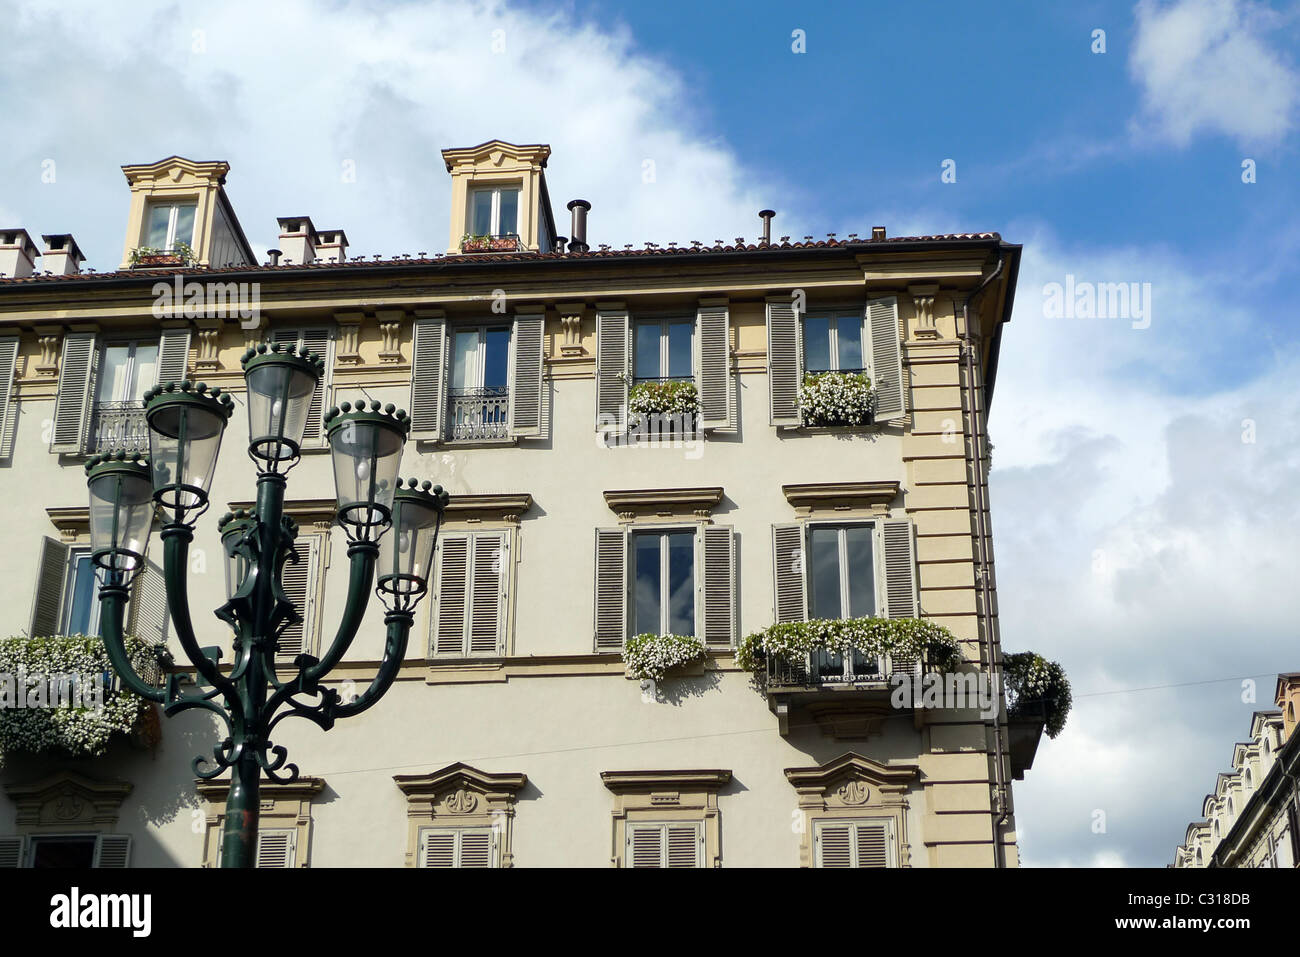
point(900, 569)
point(487, 611)
point(526, 376)
point(276, 848)
point(613, 356)
point(872, 844)
point(8, 362)
point(437, 848)
point(711, 374)
point(886, 357)
point(477, 847)
point(173, 355)
point(11, 852)
point(453, 593)
point(299, 580)
point(645, 845)
point(834, 845)
point(684, 845)
point(428, 379)
point(788, 570)
point(611, 588)
point(318, 341)
point(72, 405)
point(719, 606)
point(47, 602)
point(147, 618)
point(783, 362)
point(112, 850)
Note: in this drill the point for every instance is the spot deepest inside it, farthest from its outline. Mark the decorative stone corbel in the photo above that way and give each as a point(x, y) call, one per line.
point(208, 353)
point(390, 332)
point(923, 299)
point(50, 339)
point(348, 351)
point(571, 314)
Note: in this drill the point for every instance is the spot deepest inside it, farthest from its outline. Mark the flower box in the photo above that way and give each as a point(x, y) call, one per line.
point(161, 259)
point(836, 399)
point(489, 244)
point(652, 656)
point(663, 406)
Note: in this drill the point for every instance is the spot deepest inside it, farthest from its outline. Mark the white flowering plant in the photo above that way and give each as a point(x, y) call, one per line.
point(1036, 687)
point(836, 398)
point(72, 731)
point(662, 398)
point(651, 656)
point(869, 636)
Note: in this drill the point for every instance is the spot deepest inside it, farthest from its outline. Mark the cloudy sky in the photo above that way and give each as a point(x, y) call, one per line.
point(1145, 472)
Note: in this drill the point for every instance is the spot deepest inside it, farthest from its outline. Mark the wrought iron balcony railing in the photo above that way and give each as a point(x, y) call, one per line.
point(823, 669)
point(119, 426)
point(478, 414)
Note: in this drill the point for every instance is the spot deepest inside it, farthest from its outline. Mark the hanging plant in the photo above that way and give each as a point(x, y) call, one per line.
point(873, 637)
point(836, 398)
point(662, 398)
point(1036, 687)
point(650, 655)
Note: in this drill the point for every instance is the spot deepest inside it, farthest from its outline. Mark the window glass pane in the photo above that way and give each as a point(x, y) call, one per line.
point(480, 213)
point(145, 374)
point(681, 580)
point(679, 349)
point(81, 597)
point(862, 576)
point(464, 361)
point(159, 219)
point(849, 332)
point(645, 569)
point(509, 223)
point(113, 372)
point(496, 359)
point(648, 335)
point(64, 852)
point(824, 573)
point(817, 344)
point(184, 225)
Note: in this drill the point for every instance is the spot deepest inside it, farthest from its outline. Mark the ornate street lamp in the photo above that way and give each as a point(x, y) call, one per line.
point(186, 422)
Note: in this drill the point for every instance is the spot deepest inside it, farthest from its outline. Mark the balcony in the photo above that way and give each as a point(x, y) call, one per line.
point(844, 698)
point(118, 426)
point(478, 415)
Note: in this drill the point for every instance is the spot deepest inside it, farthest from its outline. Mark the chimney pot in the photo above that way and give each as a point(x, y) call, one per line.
point(877, 232)
point(298, 238)
point(17, 253)
point(766, 216)
point(274, 255)
point(62, 256)
point(579, 208)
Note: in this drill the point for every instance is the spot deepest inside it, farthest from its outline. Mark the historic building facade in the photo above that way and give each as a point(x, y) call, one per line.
point(513, 736)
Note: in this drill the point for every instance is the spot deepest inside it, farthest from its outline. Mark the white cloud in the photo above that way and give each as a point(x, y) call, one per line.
point(1209, 66)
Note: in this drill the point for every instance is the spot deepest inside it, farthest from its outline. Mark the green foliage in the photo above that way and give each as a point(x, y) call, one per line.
point(1036, 686)
point(836, 398)
point(870, 636)
point(650, 656)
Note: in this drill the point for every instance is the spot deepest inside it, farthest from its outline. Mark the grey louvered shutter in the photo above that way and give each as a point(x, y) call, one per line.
point(886, 358)
point(900, 568)
point(487, 613)
point(148, 617)
point(477, 847)
point(526, 343)
point(276, 847)
point(173, 355)
point(711, 375)
point(428, 378)
point(437, 848)
point(718, 613)
point(8, 412)
point(783, 362)
point(11, 852)
point(684, 845)
point(73, 404)
point(645, 845)
point(112, 850)
point(788, 572)
point(318, 341)
point(611, 588)
point(613, 355)
point(47, 601)
point(871, 844)
point(299, 581)
point(834, 845)
point(452, 594)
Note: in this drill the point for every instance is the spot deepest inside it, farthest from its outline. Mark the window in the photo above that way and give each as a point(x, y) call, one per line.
point(65, 851)
point(458, 847)
point(284, 838)
point(494, 212)
point(460, 816)
point(663, 576)
point(842, 584)
point(663, 350)
point(479, 395)
point(80, 615)
point(665, 845)
point(856, 843)
point(126, 371)
point(61, 852)
point(667, 818)
point(301, 581)
point(833, 342)
point(472, 578)
point(169, 224)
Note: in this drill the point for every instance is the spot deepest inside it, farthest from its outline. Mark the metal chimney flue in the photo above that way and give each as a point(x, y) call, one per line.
point(578, 229)
point(766, 216)
point(274, 254)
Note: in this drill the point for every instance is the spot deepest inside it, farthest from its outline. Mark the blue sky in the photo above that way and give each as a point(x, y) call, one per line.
point(1143, 487)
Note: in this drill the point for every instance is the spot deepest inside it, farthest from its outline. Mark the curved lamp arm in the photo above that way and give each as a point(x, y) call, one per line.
point(399, 630)
point(112, 603)
point(176, 547)
point(363, 557)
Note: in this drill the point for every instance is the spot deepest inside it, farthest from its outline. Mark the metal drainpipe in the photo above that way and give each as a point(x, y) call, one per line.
point(978, 425)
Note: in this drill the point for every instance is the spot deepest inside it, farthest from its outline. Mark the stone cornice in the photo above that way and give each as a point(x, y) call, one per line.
point(663, 500)
point(808, 495)
point(459, 775)
point(819, 779)
point(215, 790)
point(499, 506)
point(623, 782)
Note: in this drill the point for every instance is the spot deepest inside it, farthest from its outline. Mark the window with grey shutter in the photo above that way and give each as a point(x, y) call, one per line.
point(852, 844)
point(670, 845)
point(898, 545)
point(277, 847)
point(8, 411)
point(72, 404)
point(718, 588)
point(112, 850)
point(147, 616)
point(316, 340)
point(788, 572)
point(428, 377)
point(173, 354)
point(783, 361)
point(611, 588)
point(886, 358)
point(300, 580)
point(613, 357)
point(526, 346)
point(473, 575)
point(11, 852)
point(447, 847)
point(47, 601)
point(712, 371)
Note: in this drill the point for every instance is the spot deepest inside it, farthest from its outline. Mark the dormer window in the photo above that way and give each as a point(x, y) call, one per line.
point(170, 224)
point(494, 212)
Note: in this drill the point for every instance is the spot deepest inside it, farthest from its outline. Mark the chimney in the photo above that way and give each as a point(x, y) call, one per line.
point(579, 207)
point(62, 256)
point(877, 232)
point(766, 216)
point(332, 246)
point(274, 256)
point(297, 239)
point(17, 254)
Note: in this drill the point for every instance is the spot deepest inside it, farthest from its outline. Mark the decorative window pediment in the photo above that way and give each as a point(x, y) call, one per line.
point(675, 812)
point(814, 498)
point(69, 801)
point(690, 503)
point(853, 788)
point(460, 796)
point(284, 833)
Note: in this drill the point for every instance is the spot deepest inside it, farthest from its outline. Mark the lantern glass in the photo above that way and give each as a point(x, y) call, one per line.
point(121, 517)
point(366, 455)
point(184, 439)
point(406, 556)
point(279, 397)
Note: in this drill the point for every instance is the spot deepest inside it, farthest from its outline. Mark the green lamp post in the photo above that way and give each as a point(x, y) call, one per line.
point(186, 423)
